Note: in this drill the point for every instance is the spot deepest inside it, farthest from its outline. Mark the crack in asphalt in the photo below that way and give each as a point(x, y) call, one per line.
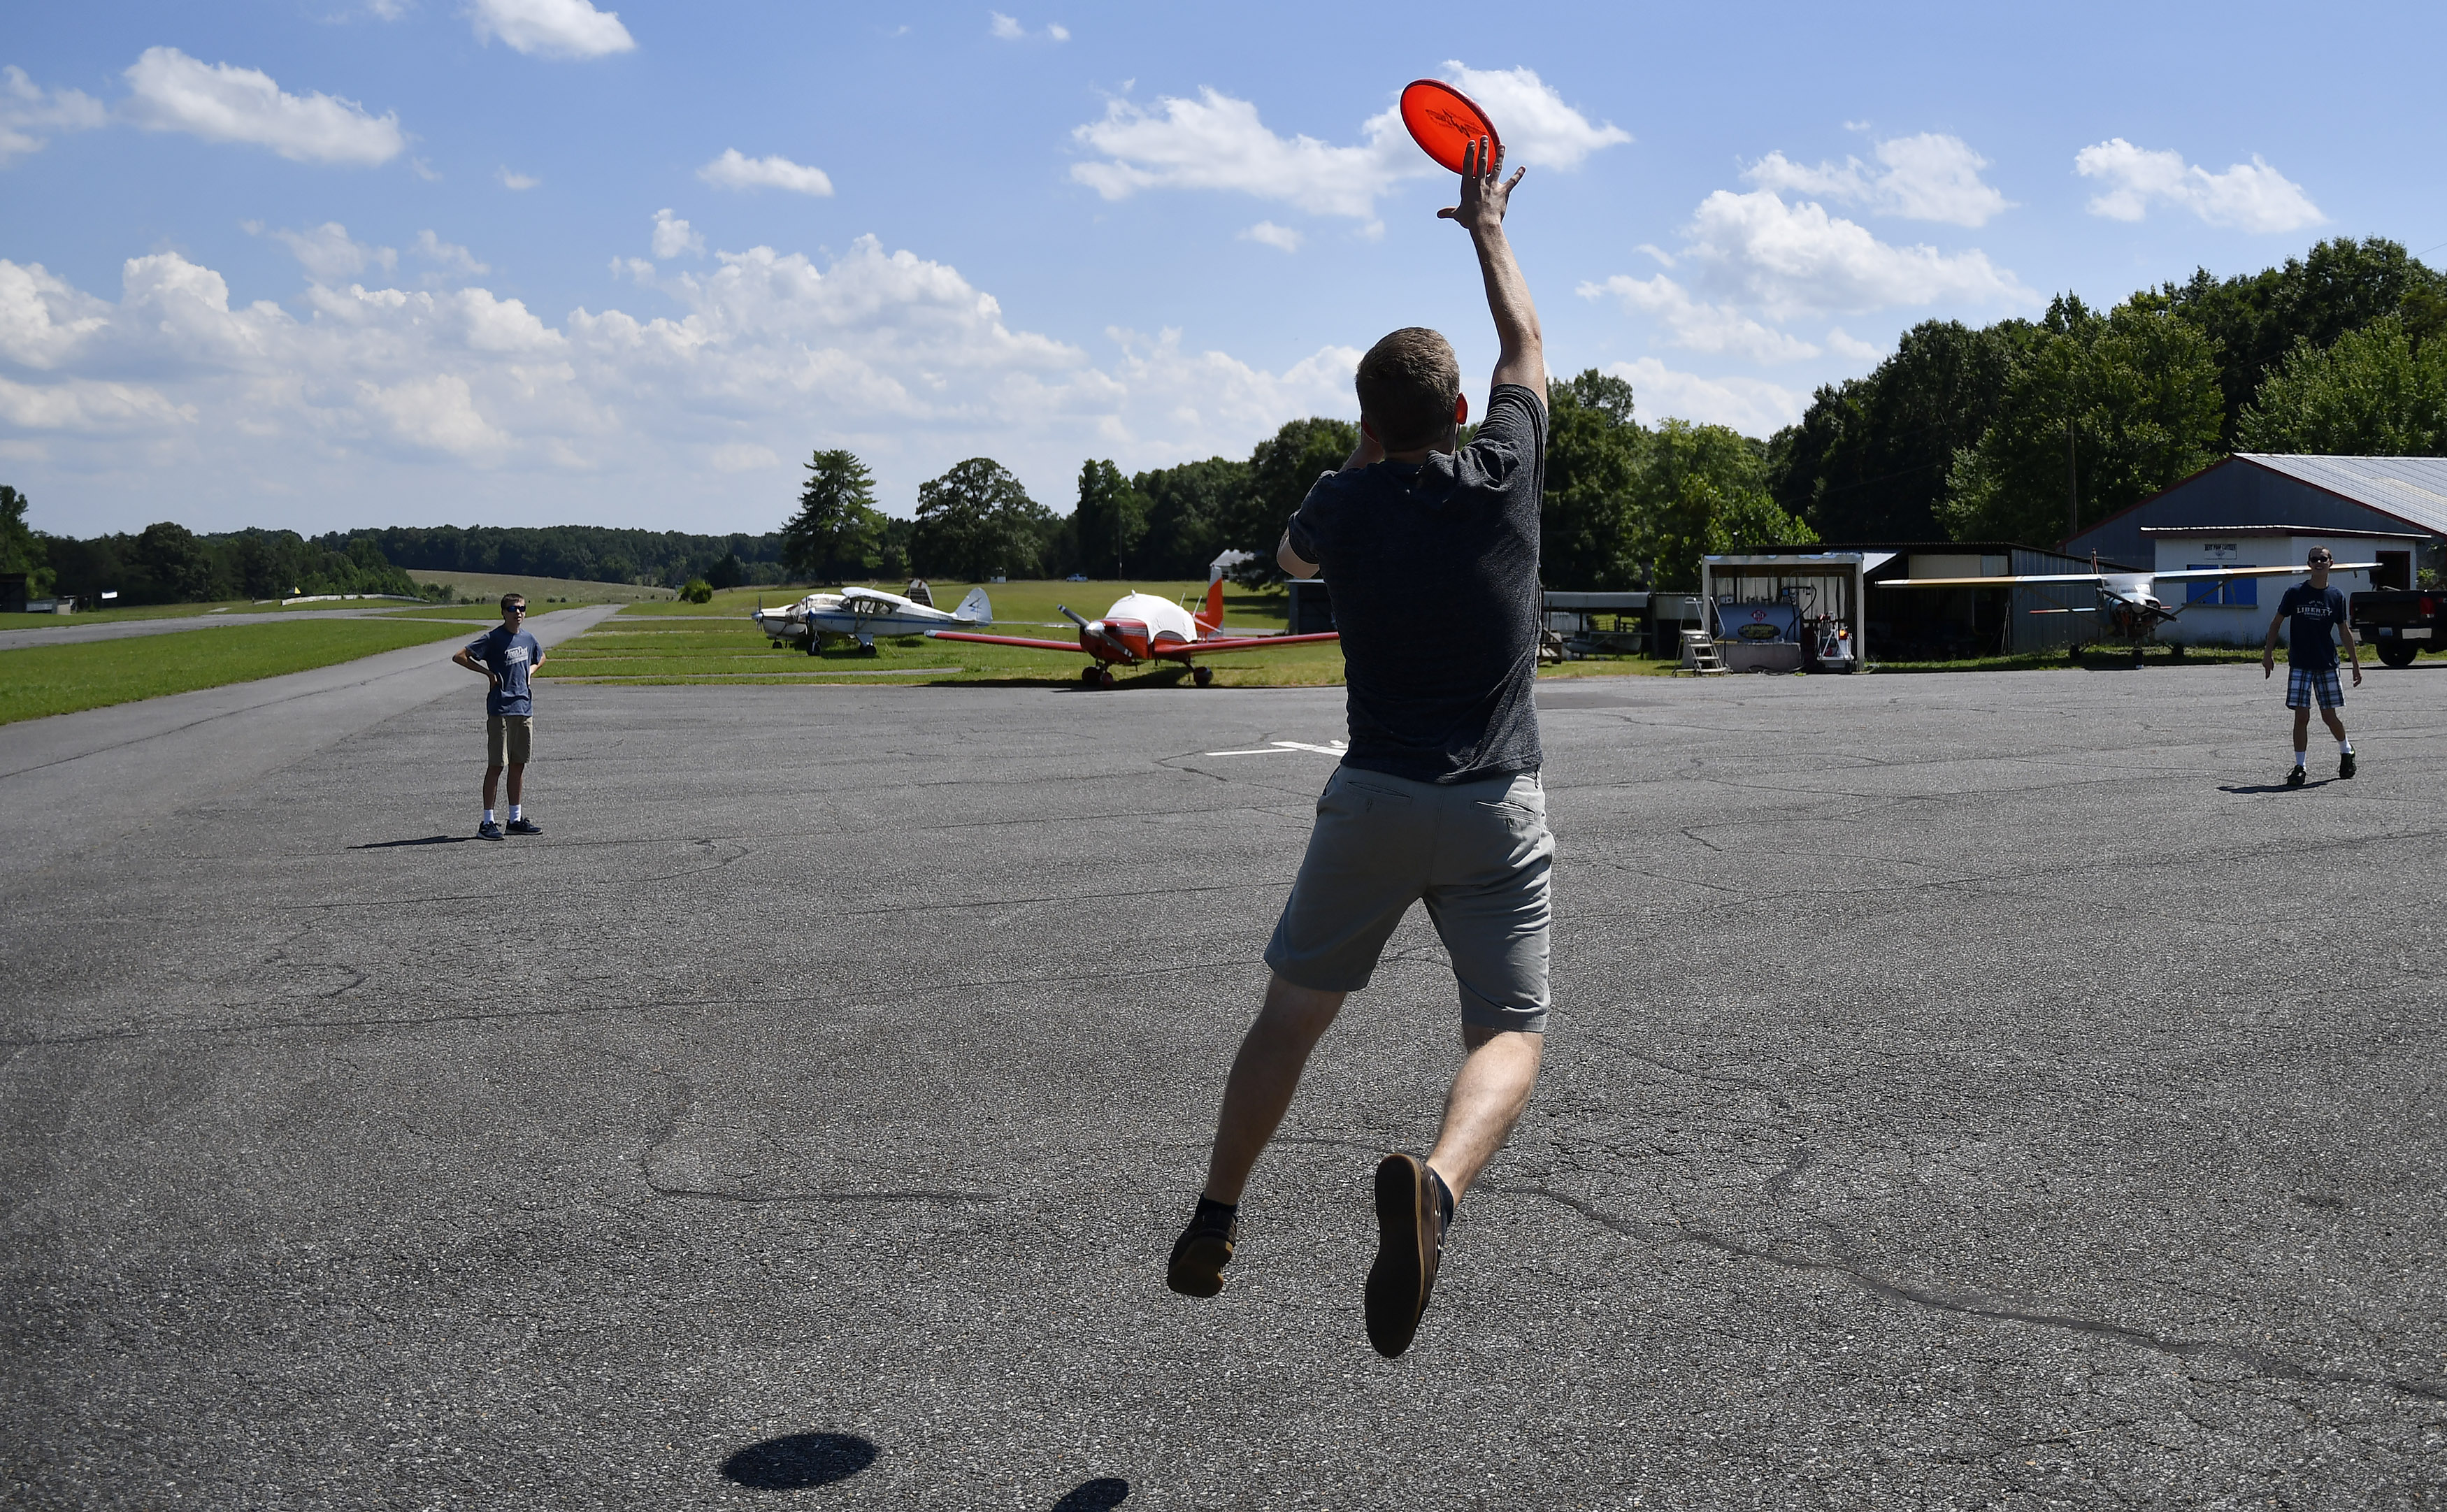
point(1891, 1289)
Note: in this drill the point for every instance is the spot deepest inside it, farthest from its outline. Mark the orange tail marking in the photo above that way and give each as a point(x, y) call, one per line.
point(1211, 618)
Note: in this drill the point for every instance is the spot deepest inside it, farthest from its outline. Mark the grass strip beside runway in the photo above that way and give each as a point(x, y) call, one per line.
point(43, 680)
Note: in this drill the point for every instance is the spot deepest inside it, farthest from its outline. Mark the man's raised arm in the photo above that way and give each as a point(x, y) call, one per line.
point(1520, 353)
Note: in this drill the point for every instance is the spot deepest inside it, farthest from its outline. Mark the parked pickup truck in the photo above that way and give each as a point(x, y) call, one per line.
point(2399, 623)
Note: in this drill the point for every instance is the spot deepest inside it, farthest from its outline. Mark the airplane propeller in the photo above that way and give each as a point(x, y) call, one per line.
point(1097, 629)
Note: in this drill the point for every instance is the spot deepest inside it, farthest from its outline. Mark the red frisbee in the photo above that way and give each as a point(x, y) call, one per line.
point(1444, 121)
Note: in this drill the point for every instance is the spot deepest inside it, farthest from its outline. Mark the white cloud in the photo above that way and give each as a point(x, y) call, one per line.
point(1268, 233)
point(31, 114)
point(1538, 128)
point(1009, 29)
point(740, 456)
point(1216, 141)
point(1697, 325)
point(1928, 176)
point(450, 256)
point(557, 28)
point(735, 170)
point(510, 178)
point(1754, 250)
point(378, 395)
point(328, 254)
point(2249, 196)
point(673, 237)
point(1845, 345)
point(170, 91)
point(1748, 405)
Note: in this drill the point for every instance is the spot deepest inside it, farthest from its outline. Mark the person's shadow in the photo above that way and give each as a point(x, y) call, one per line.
point(2277, 787)
point(1099, 1495)
point(425, 840)
point(797, 1461)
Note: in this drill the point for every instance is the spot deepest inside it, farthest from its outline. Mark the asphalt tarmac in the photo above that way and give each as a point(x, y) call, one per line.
point(1965, 1092)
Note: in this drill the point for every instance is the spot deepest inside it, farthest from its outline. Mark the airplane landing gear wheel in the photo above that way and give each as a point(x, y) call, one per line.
point(1088, 675)
point(1203, 676)
point(1104, 677)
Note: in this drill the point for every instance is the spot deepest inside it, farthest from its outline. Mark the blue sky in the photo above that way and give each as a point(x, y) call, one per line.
point(334, 263)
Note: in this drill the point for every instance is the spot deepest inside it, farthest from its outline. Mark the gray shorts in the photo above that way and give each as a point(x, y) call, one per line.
point(509, 739)
point(1477, 853)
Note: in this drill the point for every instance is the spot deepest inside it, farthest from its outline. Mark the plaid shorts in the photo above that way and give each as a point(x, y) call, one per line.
point(2304, 683)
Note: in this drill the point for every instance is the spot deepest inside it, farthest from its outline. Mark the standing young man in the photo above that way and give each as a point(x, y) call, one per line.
point(1439, 797)
point(508, 655)
point(2316, 609)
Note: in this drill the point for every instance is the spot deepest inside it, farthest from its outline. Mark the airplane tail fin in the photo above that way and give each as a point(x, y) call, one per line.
point(976, 607)
point(1210, 618)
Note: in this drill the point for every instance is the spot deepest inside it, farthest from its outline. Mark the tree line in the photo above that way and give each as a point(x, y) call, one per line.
point(2029, 430)
point(166, 563)
point(2022, 430)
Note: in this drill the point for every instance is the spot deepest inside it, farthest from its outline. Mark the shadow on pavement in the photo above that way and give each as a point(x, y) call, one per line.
point(428, 840)
point(1099, 1495)
point(2279, 787)
point(796, 1460)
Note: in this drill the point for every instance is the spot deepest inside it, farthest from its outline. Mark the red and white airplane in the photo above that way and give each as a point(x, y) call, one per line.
point(1143, 628)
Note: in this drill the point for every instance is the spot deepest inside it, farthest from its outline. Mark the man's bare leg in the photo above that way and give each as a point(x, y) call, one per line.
point(1488, 1096)
point(518, 781)
point(492, 785)
point(1264, 1075)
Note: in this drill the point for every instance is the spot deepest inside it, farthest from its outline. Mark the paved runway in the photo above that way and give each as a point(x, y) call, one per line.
point(1969, 1090)
point(72, 630)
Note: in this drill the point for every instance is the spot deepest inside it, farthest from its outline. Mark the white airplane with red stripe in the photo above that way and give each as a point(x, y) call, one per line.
point(1140, 629)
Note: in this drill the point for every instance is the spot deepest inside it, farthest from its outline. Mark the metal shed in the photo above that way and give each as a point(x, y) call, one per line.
point(2314, 494)
point(1823, 582)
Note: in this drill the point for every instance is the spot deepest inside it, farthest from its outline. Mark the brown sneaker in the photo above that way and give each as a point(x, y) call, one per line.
point(1409, 1241)
point(1199, 1257)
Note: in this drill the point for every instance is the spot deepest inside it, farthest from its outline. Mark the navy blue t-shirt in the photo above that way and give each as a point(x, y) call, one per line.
point(1433, 567)
point(2310, 641)
point(507, 654)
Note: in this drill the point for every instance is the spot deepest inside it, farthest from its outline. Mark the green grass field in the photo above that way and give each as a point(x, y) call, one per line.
point(713, 643)
point(41, 680)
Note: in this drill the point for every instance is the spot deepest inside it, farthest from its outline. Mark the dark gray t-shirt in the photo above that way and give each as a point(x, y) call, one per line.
point(2311, 638)
point(509, 656)
point(1433, 568)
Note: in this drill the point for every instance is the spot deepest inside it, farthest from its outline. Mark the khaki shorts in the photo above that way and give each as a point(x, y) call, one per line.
point(1478, 854)
point(508, 738)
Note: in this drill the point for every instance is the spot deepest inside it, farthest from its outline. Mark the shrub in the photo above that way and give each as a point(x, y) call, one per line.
point(698, 591)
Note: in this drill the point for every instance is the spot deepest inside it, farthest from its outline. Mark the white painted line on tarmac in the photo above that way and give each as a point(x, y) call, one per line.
point(1335, 749)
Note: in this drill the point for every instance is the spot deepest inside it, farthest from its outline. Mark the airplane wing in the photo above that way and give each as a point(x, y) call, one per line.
point(2199, 573)
point(1070, 645)
point(1183, 650)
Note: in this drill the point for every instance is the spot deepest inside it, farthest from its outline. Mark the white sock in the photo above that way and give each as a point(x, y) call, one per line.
point(488, 816)
point(2345, 747)
point(514, 813)
point(2298, 761)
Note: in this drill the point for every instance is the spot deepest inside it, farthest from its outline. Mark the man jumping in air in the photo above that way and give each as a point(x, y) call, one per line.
point(2312, 660)
point(1438, 799)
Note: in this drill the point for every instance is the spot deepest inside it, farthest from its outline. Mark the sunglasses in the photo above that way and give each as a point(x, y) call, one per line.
point(516, 609)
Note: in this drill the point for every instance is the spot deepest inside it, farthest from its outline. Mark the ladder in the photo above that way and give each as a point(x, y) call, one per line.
point(1699, 655)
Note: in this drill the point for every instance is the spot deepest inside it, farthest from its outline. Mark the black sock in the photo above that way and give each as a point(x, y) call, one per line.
point(1444, 1199)
point(1214, 1214)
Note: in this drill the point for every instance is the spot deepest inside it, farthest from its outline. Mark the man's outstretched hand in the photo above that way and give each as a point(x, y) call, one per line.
point(1482, 197)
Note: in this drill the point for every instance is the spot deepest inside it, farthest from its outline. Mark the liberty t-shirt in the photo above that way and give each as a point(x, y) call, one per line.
point(2310, 639)
point(508, 654)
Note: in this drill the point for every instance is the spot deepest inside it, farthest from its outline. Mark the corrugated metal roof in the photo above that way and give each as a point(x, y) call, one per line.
point(2412, 488)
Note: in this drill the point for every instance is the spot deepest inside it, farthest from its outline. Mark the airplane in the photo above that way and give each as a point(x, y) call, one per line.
point(863, 614)
point(789, 621)
point(1143, 628)
point(2128, 604)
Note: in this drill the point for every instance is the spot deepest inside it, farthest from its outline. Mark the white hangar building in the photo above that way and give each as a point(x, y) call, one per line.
point(2341, 497)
